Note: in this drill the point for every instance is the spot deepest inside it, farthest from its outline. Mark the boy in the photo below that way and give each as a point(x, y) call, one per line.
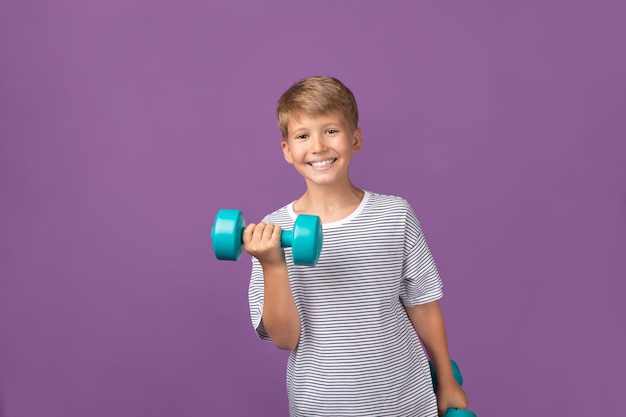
point(353, 322)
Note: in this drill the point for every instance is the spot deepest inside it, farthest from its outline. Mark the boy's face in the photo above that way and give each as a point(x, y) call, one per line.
point(321, 148)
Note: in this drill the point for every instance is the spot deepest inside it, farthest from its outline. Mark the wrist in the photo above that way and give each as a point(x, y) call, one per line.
point(274, 267)
point(446, 380)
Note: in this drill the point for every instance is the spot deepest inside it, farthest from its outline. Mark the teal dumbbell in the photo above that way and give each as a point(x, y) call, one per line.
point(305, 239)
point(452, 412)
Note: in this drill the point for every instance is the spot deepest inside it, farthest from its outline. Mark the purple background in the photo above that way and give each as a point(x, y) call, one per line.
point(126, 125)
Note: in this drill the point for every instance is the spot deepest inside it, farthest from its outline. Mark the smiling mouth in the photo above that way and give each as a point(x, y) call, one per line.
point(322, 164)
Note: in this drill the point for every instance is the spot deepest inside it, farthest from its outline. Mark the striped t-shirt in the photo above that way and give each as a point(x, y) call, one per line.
point(358, 353)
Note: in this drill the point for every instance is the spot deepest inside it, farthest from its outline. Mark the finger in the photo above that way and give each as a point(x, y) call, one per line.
point(268, 230)
point(257, 232)
point(276, 232)
point(247, 232)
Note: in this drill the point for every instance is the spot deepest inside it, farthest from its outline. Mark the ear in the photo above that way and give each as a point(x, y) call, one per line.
point(284, 144)
point(356, 140)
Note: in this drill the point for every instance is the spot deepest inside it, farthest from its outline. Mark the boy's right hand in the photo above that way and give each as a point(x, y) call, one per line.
point(451, 396)
point(262, 241)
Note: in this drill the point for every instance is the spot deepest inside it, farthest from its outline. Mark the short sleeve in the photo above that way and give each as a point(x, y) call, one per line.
point(421, 282)
point(255, 299)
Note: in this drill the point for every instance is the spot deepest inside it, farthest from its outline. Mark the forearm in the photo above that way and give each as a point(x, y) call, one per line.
point(428, 321)
point(280, 314)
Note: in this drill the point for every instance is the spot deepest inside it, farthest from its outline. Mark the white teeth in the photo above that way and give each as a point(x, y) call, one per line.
point(321, 164)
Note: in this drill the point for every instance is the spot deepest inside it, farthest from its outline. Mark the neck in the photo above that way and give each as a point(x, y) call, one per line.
point(330, 203)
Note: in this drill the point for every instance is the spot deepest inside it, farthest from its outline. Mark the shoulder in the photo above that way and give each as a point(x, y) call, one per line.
point(281, 216)
point(387, 202)
point(391, 210)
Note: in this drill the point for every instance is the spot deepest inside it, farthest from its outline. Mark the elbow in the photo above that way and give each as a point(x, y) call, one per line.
point(285, 344)
point(285, 336)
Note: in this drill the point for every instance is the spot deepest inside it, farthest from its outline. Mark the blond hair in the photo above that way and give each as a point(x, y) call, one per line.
point(315, 96)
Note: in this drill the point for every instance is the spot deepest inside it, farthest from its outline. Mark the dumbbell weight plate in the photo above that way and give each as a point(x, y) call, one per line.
point(306, 240)
point(227, 234)
point(453, 412)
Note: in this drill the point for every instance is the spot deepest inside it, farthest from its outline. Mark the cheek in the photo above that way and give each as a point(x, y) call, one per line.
point(296, 153)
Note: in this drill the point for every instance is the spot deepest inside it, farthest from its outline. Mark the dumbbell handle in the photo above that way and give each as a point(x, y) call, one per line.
point(286, 237)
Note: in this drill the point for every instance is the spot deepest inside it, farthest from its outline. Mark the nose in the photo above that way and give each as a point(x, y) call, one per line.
point(317, 144)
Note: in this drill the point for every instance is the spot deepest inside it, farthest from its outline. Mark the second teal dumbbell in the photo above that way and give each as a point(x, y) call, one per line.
point(452, 412)
point(305, 239)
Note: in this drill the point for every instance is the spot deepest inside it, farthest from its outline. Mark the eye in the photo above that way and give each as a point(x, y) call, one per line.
point(331, 131)
point(302, 136)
